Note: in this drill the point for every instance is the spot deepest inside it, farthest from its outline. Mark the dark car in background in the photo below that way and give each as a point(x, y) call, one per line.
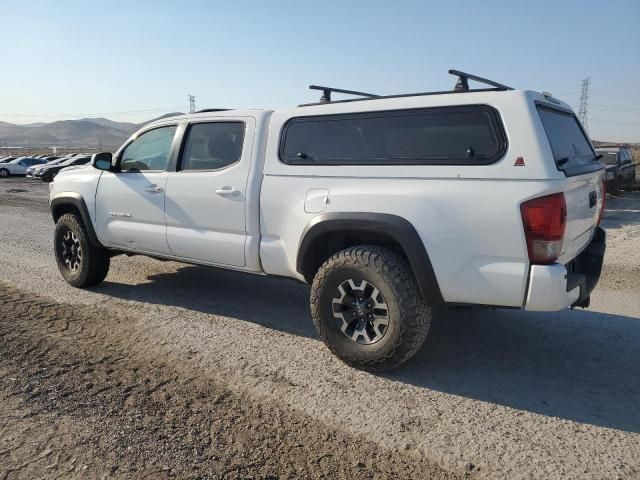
point(48, 173)
point(50, 162)
point(619, 166)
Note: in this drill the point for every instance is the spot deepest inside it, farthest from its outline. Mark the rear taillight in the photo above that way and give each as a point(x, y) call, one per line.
point(603, 193)
point(544, 220)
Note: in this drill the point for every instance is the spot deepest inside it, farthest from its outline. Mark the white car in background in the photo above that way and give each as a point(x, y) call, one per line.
point(18, 166)
point(33, 170)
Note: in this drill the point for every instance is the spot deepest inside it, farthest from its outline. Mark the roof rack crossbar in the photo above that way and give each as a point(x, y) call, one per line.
point(212, 110)
point(327, 91)
point(462, 85)
point(463, 81)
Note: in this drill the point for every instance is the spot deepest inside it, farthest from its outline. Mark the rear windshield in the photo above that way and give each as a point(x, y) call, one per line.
point(570, 146)
point(609, 158)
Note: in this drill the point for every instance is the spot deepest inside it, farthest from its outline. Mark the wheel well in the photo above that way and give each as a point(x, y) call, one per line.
point(64, 208)
point(76, 206)
point(331, 232)
point(329, 243)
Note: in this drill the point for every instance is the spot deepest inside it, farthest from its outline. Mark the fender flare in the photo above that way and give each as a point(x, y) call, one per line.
point(397, 228)
point(75, 200)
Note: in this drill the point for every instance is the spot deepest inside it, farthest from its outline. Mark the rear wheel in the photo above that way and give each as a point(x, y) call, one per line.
point(4, 173)
point(81, 263)
point(367, 308)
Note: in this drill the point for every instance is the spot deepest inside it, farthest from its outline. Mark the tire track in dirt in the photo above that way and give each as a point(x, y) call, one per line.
point(80, 396)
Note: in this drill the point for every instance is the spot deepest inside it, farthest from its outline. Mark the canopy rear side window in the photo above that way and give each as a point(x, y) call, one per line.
point(432, 136)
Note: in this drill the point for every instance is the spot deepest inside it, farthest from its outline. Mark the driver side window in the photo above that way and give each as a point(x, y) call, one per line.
point(150, 151)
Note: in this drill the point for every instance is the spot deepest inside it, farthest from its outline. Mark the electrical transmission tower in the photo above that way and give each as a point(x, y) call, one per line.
point(192, 103)
point(584, 101)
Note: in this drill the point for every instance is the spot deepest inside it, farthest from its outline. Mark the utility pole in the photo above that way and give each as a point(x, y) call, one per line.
point(192, 104)
point(584, 102)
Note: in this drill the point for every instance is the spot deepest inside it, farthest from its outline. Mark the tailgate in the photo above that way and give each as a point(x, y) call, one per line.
point(584, 196)
point(584, 190)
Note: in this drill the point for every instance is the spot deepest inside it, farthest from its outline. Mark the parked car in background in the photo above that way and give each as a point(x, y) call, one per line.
point(56, 160)
point(48, 173)
point(6, 159)
point(18, 166)
point(620, 168)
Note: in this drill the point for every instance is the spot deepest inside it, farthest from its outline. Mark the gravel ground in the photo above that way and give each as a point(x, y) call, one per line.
point(493, 394)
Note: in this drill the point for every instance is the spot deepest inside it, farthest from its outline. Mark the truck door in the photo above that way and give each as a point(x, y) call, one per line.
point(205, 204)
point(130, 201)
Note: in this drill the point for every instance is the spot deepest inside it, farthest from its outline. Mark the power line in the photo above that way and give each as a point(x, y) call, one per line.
point(129, 112)
point(565, 94)
point(584, 101)
point(612, 122)
point(614, 108)
point(604, 93)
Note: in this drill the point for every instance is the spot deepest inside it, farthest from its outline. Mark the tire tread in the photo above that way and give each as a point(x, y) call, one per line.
point(416, 314)
point(97, 258)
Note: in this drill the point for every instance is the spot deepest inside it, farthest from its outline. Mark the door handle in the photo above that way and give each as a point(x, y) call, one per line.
point(154, 189)
point(228, 191)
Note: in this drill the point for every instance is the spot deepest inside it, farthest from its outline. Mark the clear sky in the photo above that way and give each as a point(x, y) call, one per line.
point(132, 60)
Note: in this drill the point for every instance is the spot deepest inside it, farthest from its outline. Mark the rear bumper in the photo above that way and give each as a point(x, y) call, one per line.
point(555, 287)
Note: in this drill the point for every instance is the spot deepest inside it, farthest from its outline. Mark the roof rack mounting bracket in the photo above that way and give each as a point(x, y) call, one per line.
point(327, 91)
point(462, 85)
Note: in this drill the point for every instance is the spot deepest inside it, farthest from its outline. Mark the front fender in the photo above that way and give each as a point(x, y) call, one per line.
point(66, 202)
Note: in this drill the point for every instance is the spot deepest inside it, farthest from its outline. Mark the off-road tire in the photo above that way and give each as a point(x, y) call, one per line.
point(409, 314)
point(4, 173)
point(94, 265)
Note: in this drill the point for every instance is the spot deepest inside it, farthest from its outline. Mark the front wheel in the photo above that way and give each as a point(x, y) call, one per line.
point(4, 173)
point(81, 263)
point(367, 308)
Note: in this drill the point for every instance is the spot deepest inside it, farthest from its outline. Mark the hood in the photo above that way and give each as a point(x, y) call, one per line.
point(74, 167)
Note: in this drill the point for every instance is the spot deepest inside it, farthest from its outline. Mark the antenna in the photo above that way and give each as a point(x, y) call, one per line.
point(584, 102)
point(192, 103)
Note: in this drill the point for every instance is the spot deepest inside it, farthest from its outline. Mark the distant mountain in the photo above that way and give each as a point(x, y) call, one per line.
point(89, 132)
point(105, 122)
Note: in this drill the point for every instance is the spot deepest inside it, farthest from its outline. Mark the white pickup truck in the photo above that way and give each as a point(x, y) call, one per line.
point(389, 206)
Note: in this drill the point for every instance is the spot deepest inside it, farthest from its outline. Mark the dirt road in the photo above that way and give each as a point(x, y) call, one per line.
point(174, 370)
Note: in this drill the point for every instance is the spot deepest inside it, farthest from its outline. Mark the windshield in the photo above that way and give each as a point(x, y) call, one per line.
point(15, 161)
point(70, 161)
point(570, 146)
point(609, 158)
point(56, 161)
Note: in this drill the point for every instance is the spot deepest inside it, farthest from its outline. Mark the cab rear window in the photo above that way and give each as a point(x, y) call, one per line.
point(571, 148)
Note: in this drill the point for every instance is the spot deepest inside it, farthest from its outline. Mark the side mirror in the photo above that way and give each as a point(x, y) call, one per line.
point(102, 161)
